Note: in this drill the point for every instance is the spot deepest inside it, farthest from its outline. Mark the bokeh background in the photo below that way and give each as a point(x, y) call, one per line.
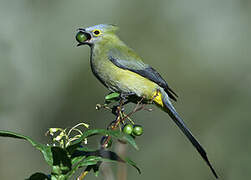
point(202, 49)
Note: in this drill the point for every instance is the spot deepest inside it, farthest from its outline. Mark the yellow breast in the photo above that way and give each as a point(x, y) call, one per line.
point(128, 81)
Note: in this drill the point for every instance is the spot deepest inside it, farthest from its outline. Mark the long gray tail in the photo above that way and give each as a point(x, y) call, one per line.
point(180, 123)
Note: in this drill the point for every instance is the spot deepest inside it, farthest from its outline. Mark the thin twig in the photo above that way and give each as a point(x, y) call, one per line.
point(117, 121)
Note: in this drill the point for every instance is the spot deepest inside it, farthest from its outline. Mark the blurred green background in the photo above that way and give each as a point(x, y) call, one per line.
point(202, 49)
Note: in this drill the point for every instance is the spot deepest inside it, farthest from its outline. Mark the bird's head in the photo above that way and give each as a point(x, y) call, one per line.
point(94, 34)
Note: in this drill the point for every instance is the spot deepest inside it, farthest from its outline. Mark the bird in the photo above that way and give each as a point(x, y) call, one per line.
point(122, 70)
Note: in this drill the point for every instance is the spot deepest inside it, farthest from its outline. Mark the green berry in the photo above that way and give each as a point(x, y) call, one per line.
point(81, 37)
point(127, 129)
point(137, 130)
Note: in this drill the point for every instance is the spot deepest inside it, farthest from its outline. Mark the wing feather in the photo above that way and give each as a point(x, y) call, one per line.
point(138, 66)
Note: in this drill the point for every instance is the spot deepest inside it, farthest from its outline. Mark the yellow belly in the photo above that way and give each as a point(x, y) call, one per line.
point(127, 81)
point(121, 80)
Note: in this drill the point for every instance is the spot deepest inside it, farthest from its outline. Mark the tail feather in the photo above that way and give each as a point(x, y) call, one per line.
point(168, 107)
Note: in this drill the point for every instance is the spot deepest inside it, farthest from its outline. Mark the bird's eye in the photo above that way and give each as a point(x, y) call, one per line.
point(96, 32)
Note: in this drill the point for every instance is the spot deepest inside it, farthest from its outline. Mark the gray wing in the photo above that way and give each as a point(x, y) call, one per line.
point(139, 67)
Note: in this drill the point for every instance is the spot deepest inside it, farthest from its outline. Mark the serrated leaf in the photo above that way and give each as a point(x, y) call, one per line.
point(115, 134)
point(46, 150)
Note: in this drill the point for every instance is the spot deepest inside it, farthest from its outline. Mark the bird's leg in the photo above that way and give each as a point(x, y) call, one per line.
point(139, 102)
point(124, 99)
point(125, 95)
point(150, 102)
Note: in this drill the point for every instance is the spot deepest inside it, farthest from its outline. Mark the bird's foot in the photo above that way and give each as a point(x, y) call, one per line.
point(127, 95)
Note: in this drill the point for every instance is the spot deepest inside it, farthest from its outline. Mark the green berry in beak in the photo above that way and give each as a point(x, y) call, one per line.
point(81, 37)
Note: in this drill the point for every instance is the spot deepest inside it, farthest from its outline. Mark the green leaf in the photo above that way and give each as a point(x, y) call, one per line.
point(61, 161)
point(81, 153)
point(86, 149)
point(85, 161)
point(46, 150)
point(108, 155)
point(112, 97)
point(38, 176)
point(77, 159)
point(114, 157)
point(91, 160)
point(115, 134)
point(19, 136)
point(132, 163)
point(76, 146)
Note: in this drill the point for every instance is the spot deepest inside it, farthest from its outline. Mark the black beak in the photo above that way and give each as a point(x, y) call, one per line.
point(82, 37)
